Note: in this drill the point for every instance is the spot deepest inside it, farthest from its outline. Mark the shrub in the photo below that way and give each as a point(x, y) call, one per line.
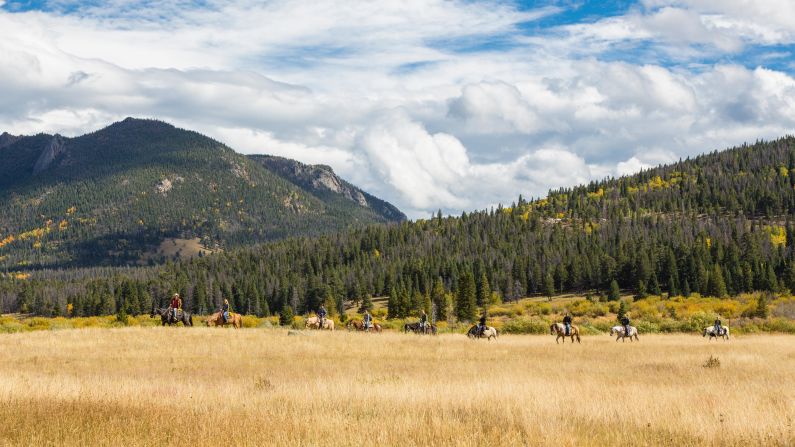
point(647, 327)
point(526, 326)
point(712, 362)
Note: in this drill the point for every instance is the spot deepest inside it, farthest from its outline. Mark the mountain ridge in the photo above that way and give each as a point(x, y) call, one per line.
point(138, 182)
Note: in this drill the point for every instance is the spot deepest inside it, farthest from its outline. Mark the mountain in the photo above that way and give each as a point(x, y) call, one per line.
point(321, 181)
point(132, 191)
point(6, 139)
point(719, 224)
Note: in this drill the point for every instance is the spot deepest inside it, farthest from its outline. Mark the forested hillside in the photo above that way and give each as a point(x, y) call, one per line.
point(113, 196)
point(718, 224)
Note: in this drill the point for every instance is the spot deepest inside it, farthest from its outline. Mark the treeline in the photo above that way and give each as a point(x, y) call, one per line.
point(717, 225)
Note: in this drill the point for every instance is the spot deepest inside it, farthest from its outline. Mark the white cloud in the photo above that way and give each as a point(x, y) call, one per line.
point(398, 97)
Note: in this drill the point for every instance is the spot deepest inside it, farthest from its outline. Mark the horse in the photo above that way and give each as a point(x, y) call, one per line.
point(165, 316)
point(417, 329)
point(358, 325)
point(619, 331)
point(488, 333)
point(314, 323)
point(559, 330)
point(710, 330)
point(217, 319)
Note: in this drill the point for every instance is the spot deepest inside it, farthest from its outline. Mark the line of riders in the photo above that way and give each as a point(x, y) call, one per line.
point(175, 310)
point(175, 314)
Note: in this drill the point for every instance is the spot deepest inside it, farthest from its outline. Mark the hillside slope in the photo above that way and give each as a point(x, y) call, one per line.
point(114, 195)
point(321, 181)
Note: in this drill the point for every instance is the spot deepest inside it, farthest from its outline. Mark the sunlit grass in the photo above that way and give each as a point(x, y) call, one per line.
point(200, 386)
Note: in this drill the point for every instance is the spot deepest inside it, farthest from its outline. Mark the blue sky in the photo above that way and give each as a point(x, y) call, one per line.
point(430, 104)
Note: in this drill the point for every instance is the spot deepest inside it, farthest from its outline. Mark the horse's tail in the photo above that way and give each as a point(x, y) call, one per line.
point(190, 319)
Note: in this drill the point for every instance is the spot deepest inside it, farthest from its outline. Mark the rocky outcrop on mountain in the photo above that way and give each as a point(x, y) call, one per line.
point(55, 148)
point(6, 139)
point(321, 179)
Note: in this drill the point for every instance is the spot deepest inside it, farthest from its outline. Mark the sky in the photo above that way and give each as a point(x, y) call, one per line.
point(452, 105)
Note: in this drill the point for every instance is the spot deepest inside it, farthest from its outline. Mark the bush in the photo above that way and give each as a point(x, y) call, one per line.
point(712, 362)
point(526, 326)
point(780, 325)
point(250, 321)
point(646, 327)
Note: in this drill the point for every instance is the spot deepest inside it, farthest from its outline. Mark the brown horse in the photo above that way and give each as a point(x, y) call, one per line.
point(559, 330)
point(358, 325)
point(217, 319)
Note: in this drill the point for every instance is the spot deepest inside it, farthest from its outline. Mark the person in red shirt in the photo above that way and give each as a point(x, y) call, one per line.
point(176, 303)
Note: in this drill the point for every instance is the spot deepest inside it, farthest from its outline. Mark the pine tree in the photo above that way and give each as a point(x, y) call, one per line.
point(717, 286)
point(622, 311)
point(642, 292)
point(286, 315)
point(615, 292)
point(367, 303)
point(484, 291)
point(761, 306)
point(549, 285)
point(439, 300)
point(465, 298)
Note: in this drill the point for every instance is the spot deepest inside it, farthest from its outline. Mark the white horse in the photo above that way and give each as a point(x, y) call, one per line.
point(619, 331)
point(710, 330)
point(314, 323)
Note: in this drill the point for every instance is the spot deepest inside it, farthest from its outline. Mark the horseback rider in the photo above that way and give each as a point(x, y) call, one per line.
point(423, 320)
point(481, 325)
point(321, 315)
point(225, 310)
point(718, 328)
point(174, 307)
point(625, 323)
point(567, 324)
point(368, 321)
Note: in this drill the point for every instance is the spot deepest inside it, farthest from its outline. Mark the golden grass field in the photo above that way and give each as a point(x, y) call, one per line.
point(199, 386)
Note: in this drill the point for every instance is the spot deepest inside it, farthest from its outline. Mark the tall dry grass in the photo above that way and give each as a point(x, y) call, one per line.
point(199, 386)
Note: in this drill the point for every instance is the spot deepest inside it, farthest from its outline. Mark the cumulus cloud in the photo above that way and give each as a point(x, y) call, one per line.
point(428, 104)
point(434, 170)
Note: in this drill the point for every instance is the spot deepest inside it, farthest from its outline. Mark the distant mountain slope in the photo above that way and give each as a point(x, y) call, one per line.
point(321, 181)
point(114, 195)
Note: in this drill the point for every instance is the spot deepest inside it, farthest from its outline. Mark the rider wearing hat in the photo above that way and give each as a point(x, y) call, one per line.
point(423, 320)
point(718, 328)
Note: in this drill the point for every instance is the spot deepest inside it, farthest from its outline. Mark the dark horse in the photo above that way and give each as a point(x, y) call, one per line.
point(415, 327)
point(165, 318)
